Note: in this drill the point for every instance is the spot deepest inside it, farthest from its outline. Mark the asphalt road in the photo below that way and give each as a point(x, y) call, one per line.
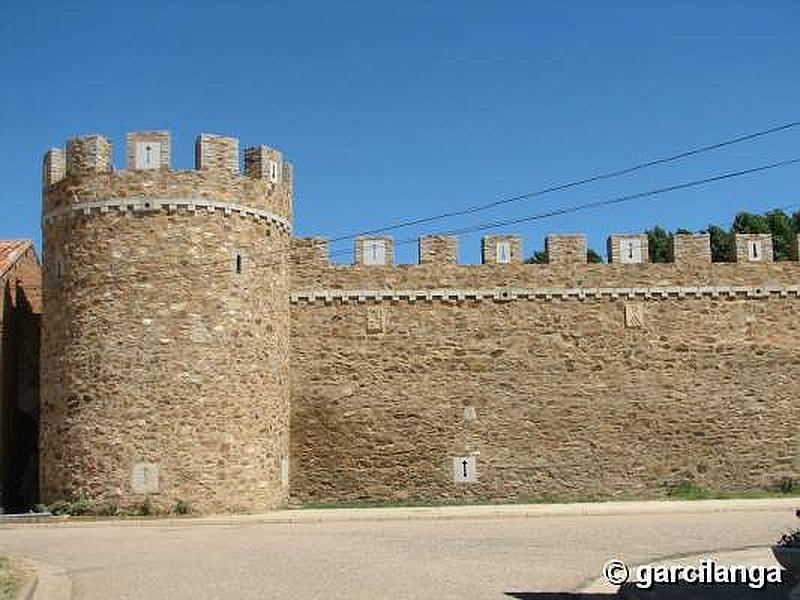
point(493, 558)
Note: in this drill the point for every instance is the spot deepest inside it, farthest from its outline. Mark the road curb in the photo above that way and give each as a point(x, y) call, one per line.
point(47, 582)
point(29, 587)
point(329, 515)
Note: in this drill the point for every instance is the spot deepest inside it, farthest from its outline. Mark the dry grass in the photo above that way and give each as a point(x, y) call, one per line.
point(10, 580)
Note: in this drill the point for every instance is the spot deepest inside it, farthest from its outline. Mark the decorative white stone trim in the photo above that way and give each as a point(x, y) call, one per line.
point(510, 294)
point(167, 204)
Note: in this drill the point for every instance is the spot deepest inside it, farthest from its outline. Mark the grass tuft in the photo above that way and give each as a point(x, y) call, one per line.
point(10, 580)
point(685, 490)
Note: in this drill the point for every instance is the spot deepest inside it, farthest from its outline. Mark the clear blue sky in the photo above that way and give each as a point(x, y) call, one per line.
point(391, 110)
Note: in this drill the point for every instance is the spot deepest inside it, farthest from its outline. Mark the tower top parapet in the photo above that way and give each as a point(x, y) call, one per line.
point(86, 169)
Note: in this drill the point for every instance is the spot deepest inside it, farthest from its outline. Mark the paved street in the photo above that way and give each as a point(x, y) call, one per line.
point(481, 557)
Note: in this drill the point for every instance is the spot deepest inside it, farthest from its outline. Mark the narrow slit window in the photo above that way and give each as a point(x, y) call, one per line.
point(755, 253)
point(374, 252)
point(630, 251)
point(503, 255)
point(238, 264)
point(147, 155)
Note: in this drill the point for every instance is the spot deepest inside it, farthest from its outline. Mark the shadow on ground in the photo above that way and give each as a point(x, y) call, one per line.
point(732, 591)
point(558, 596)
point(672, 592)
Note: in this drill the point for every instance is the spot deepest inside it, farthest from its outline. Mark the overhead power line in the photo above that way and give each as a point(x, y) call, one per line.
point(599, 203)
point(626, 198)
point(495, 224)
point(557, 188)
point(572, 184)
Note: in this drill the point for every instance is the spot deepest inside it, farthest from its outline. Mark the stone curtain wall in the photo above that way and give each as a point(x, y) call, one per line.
point(560, 398)
point(165, 338)
point(181, 320)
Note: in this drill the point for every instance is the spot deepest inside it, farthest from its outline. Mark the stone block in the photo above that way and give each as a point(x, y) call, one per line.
point(690, 248)
point(217, 153)
point(374, 251)
point(501, 249)
point(88, 154)
point(54, 166)
point(628, 249)
point(438, 249)
point(148, 150)
point(753, 247)
point(565, 249)
point(263, 162)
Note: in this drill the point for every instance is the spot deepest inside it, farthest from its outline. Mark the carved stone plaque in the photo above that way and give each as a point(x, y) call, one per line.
point(503, 255)
point(144, 478)
point(285, 472)
point(376, 320)
point(148, 155)
point(464, 469)
point(374, 252)
point(634, 315)
point(630, 251)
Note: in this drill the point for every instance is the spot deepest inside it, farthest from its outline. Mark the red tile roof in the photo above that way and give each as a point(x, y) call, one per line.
point(10, 252)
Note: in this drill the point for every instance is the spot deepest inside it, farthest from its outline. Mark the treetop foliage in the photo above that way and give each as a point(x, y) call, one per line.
point(540, 257)
point(781, 226)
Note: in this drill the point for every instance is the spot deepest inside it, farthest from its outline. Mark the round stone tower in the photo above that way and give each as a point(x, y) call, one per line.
point(165, 335)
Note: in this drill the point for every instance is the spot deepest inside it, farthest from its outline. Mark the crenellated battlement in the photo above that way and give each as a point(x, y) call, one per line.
point(81, 179)
point(148, 150)
point(567, 270)
point(626, 250)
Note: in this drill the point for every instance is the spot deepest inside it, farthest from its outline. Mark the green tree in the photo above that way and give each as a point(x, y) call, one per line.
point(796, 221)
point(593, 257)
point(722, 244)
point(781, 228)
point(539, 258)
point(745, 222)
point(659, 241)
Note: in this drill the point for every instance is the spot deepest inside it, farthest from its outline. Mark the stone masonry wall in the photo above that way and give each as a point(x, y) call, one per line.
point(438, 249)
point(192, 350)
point(691, 247)
point(362, 247)
point(753, 247)
point(162, 138)
point(565, 248)
point(615, 250)
point(489, 249)
point(609, 395)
